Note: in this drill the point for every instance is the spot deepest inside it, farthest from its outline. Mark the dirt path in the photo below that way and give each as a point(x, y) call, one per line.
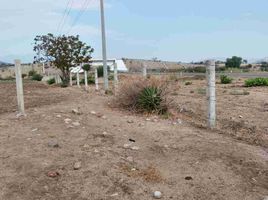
point(182, 162)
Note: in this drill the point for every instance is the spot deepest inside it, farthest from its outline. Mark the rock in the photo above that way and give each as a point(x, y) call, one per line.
point(157, 195)
point(240, 116)
point(179, 121)
point(114, 195)
point(76, 111)
point(265, 198)
point(67, 121)
point(76, 124)
point(188, 178)
point(36, 129)
point(53, 174)
point(86, 146)
point(135, 148)
point(147, 119)
point(53, 144)
point(132, 140)
point(130, 121)
point(96, 151)
point(58, 116)
point(155, 120)
point(130, 159)
point(127, 146)
point(104, 117)
point(93, 112)
point(77, 165)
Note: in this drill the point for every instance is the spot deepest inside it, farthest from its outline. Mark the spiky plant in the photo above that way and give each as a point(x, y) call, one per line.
point(150, 100)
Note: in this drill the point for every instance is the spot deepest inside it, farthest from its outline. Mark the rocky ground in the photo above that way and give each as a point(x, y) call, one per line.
point(73, 145)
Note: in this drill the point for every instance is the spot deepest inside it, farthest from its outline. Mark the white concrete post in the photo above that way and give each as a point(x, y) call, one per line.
point(78, 79)
point(96, 79)
point(144, 70)
point(19, 87)
point(86, 81)
point(71, 79)
point(115, 74)
point(211, 93)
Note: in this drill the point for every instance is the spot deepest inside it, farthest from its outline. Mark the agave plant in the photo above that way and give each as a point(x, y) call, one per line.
point(150, 99)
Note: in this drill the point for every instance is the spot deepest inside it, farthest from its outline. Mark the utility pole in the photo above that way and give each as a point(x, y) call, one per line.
point(104, 54)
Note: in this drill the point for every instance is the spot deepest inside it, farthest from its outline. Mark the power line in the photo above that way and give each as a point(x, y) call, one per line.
point(65, 16)
point(80, 13)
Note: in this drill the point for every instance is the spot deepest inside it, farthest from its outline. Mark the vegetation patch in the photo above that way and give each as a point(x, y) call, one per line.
point(254, 82)
point(37, 77)
point(225, 79)
point(144, 95)
point(51, 81)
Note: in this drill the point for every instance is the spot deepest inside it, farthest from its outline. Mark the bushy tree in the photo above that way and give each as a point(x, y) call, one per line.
point(234, 62)
point(63, 51)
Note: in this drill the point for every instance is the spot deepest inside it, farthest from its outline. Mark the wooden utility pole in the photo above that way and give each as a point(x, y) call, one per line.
point(19, 86)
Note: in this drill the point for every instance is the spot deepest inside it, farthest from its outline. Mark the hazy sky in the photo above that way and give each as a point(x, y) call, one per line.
point(168, 29)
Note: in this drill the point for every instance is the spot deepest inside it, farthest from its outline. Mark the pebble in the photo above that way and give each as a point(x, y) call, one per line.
point(148, 119)
point(265, 198)
point(240, 116)
point(53, 174)
point(77, 165)
point(130, 121)
point(93, 112)
point(104, 117)
point(130, 159)
point(127, 146)
point(76, 124)
point(67, 121)
point(58, 116)
point(114, 195)
point(96, 151)
point(36, 129)
point(157, 195)
point(76, 111)
point(135, 148)
point(53, 144)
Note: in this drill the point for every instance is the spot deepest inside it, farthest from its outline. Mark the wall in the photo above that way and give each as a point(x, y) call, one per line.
point(9, 71)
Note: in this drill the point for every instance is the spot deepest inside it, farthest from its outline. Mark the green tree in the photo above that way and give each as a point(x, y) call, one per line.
point(234, 62)
point(63, 51)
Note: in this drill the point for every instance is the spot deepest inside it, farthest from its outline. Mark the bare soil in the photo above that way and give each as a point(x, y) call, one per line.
point(182, 161)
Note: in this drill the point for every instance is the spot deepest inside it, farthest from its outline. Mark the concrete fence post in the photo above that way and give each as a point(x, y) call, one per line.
point(71, 79)
point(211, 93)
point(144, 70)
point(96, 79)
point(86, 81)
point(78, 79)
point(115, 74)
point(19, 86)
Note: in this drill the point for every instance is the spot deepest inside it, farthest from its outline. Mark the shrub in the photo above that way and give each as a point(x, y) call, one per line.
point(150, 100)
point(239, 92)
point(143, 95)
point(64, 84)
point(256, 82)
point(225, 79)
point(32, 73)
point(51, 81)
point(90, 80)
point(111, 77)
point(86, 67)
point(23, 75)
point(37, 77)
point(188, 83)
point(100, 70)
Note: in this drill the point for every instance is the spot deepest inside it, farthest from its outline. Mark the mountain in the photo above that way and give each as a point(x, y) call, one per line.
point(3, 64)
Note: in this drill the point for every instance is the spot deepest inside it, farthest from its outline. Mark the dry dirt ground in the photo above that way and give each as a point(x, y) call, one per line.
point(181, 160)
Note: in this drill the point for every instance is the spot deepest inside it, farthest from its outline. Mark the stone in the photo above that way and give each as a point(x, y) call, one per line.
point(58, 116)
point(148, 119)
point(130, 159)
point(77, 165)
point(114, 195)
point(53, 174)
point(36, 129)
point(53, 144)
point(76, 124)
point(135, 148)
point(240, 116)
point(157, 195)
point(127, 146)
point(104, 117)
point(93, 112)
point(130, 121)
point(67, 121)
point(265, 198)
point(179, 121)
point(76, 111)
